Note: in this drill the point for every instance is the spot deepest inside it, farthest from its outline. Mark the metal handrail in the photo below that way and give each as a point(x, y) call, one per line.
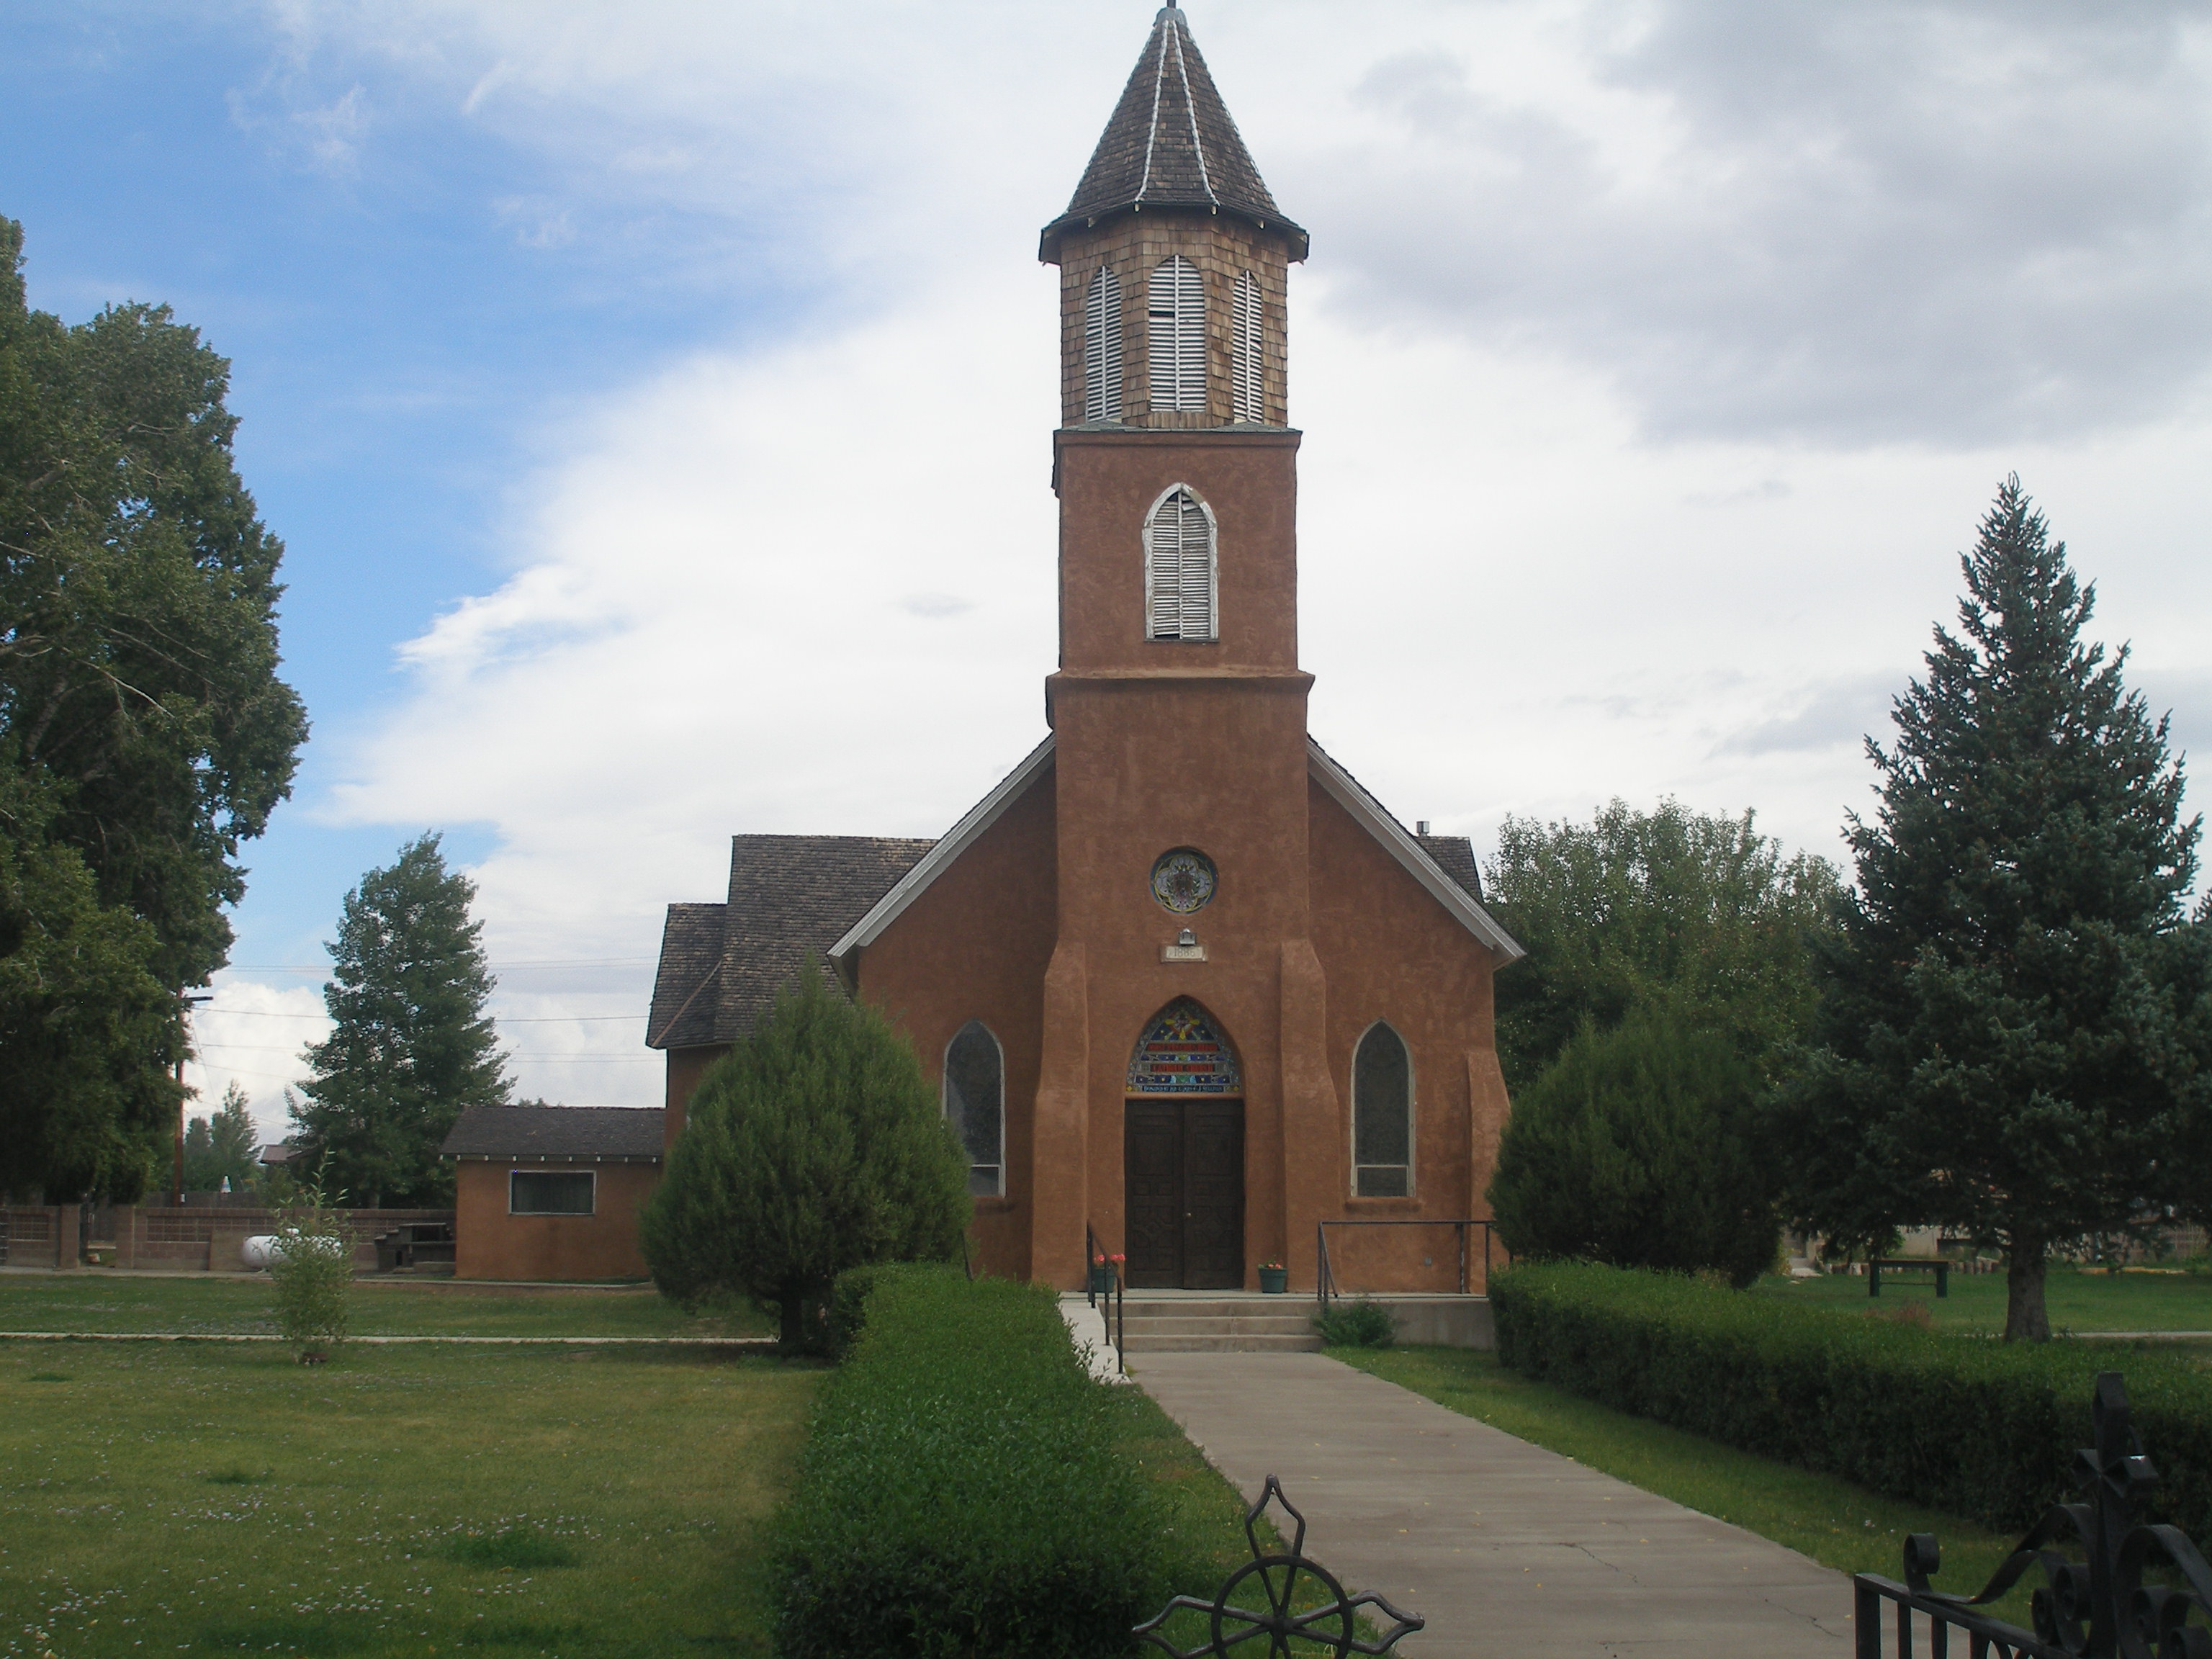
point(1093, 1255)
point(1325, 1272)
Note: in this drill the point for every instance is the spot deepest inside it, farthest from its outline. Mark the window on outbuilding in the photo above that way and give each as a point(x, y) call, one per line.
point(1102, 347)
point(1382, 1114)
point(975, 1102)
point(1246, 351)
point(1179, 568)
point(1176, 329)
point(549, 1192)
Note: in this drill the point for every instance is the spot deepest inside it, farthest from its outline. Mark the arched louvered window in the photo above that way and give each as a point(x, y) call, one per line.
point(1176, 319)
point(975, 1102)
point(1245, 358)
point(1179, 582)
point(1382, 1114)
point(1102, 347)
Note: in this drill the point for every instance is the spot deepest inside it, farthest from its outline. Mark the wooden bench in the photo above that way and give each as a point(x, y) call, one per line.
point(1908, 1264)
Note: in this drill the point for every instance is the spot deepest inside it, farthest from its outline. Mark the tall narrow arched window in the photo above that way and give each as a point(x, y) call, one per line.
point(975, 1102)
point(1179, 568)
point(1247, 351)
point(1175, 319)
point(1382, 1114)
point(1102, 347)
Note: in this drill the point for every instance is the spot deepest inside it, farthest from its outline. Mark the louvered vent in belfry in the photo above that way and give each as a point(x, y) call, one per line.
point(1179, 569)
point(1245, 351)
point(1102, 347)
point(1177, 329)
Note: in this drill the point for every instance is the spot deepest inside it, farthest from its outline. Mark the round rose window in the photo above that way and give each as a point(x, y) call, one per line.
point(1183, 880)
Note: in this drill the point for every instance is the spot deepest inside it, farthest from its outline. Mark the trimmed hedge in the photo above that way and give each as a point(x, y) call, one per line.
point(1978, 1427)
point(960, 1493)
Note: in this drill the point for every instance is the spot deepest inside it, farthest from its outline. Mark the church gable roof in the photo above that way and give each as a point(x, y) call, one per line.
point(722, 964)
point(1443, 864)
point(1171, 143)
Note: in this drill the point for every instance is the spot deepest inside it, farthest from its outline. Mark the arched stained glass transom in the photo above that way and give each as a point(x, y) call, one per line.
point(1102, 347)
point(1179, 568)
point(974, 1104)
point(1175, 333)
point(1382, 1114)
point(1183, 1052)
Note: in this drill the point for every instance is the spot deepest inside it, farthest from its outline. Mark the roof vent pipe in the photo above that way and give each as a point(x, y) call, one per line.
point(1421, 826)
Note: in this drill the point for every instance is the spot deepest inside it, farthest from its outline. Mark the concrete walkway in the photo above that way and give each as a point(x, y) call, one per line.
point(1510, 1551)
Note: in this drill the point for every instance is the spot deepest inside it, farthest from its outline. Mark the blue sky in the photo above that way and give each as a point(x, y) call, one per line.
point(624, 382)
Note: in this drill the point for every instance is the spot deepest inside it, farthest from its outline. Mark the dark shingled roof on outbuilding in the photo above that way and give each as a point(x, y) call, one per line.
point(577, 1131)
point(722, 964)
point(1171, 143)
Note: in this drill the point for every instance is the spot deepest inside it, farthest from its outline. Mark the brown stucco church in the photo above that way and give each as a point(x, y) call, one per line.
point(1185, 983)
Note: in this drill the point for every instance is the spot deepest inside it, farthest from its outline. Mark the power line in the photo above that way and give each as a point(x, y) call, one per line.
point(519, 1019)
point(543, 962)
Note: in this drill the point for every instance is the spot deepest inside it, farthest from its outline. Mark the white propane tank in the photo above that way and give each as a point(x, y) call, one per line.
point(254, 1252)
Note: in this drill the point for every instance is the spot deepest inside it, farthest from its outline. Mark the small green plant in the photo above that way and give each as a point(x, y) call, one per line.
point(311, 1266)
point(510, 1549)
point(1362, 1324)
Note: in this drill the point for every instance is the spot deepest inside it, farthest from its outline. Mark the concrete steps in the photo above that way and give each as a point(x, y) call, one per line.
point(1226, 1325)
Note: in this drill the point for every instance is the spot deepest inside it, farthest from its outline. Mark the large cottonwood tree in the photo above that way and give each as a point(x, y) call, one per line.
point(2012, 1021)
point(144, 732)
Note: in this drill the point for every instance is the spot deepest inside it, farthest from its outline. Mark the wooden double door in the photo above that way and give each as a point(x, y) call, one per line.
point(1182, 1165)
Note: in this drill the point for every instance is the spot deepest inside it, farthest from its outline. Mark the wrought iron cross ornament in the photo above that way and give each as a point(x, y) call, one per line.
point(1332, 1625)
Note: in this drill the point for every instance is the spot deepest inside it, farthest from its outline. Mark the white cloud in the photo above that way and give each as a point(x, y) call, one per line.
point(252, 1035)
point(811, 588)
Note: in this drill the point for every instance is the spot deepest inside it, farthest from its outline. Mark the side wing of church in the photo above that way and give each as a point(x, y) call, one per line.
point(1187, 984)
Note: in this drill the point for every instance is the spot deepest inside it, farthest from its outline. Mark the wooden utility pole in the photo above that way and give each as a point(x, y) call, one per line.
point(188, 1001)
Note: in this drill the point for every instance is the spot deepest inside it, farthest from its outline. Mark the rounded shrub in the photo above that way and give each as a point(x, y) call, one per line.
point(1636, 1148)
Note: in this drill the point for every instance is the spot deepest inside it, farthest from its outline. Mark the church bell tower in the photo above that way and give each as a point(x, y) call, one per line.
point(1179, 709)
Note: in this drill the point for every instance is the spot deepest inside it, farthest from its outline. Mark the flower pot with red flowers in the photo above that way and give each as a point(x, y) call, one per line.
point(1274, 1278)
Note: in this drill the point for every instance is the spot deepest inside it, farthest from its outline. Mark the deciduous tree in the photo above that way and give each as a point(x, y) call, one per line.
point(144, 733)
point(2012, 1020)
point(138, 592)
point(1697, 915)
point(410, 1044)
point(88, 1034)
point(815, 1144)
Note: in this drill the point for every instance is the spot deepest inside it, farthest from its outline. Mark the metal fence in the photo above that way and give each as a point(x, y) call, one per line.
point(2138, 1591)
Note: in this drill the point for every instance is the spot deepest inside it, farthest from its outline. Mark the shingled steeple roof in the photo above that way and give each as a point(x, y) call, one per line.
point(1171, 144)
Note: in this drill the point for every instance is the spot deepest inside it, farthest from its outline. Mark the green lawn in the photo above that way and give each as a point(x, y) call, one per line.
point(156, 1499)
point(159, 1497)
point(96, 1301)
point(2078, 1301)
point(1836, 1523)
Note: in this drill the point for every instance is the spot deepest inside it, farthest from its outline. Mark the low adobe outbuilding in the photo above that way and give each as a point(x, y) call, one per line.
point(552, 1192)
